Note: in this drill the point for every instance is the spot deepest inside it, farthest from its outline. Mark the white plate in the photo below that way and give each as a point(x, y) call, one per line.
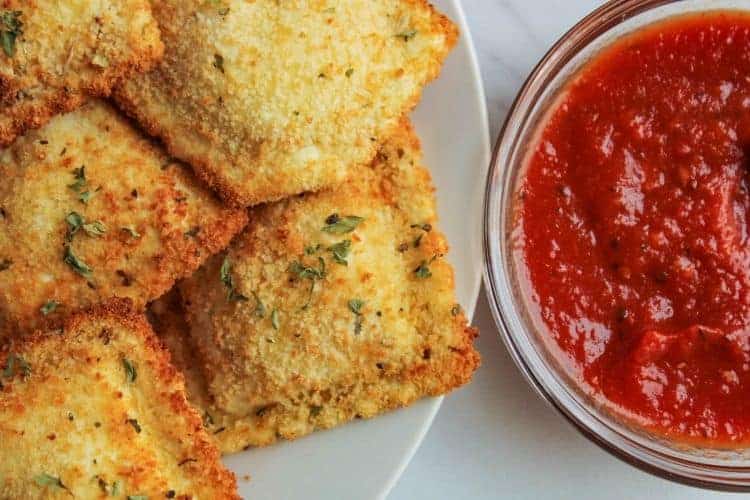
point(364, 459)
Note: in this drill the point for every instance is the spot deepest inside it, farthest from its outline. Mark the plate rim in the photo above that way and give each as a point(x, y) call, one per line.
point(478, 86)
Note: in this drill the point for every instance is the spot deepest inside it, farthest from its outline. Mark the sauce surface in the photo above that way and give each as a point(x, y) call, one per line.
point(632, 226)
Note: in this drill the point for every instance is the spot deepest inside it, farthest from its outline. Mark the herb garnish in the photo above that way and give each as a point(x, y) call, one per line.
point(78, 265)
point(137, 497)
point(5, 264)
point(355, 306)
point(76, 222)
point(423, 270)
point(225, 274)
point(306, 272)
point(275, 319)
point(11, 28)
point(341, 251)
point(407, 34)
point(45, 479)
point(349, 72)
point(80, 184)
point(135, 424)
point(49, 307)
point(80, 179)
point(14, 364)
point(219, 62)
point(336, 224)
point(310, 250)
point(193, 232)
point(309, 273)
point(455, 310)
point(130, 372)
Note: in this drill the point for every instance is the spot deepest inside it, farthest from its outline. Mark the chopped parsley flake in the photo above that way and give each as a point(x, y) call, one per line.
point(193, 232)
point(49, 307)
point(309, 273)
point(423, 270)
point(80, 185)
point(455, 310)
point(78, 265)
point(130, 372)
point(341, 251)
point(80, 179)
point(349, 72)
point(45, 479)
point(11, 28)
point(225, 274)
point(310, 250)
point(336, 224)
point(407, 34)
point(137, 497)
point(355, 306)
point(306, 272)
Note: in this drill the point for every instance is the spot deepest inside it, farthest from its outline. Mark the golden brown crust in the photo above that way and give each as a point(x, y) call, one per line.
point(319, 363)
point(159, 223)
point(134, 433)
point(257, 127)
point(68, 52)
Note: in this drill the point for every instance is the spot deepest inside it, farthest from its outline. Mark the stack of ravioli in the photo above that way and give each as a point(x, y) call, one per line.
point(215, 232)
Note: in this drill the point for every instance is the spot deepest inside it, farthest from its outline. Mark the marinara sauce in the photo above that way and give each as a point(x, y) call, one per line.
point(632, 226)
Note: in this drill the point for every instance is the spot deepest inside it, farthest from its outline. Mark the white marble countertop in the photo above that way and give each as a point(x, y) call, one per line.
point(495, 438)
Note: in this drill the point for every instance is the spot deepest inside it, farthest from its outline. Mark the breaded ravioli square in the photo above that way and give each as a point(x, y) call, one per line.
point(268, 99)
point(91, 209)
point(96, 410)
point(328, 307)
point(53, 54)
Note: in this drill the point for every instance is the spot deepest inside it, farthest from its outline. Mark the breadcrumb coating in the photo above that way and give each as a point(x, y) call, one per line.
point(269, 99)
point(95, 410)
point(90, 209)
point(56, 54)
point(328, 307)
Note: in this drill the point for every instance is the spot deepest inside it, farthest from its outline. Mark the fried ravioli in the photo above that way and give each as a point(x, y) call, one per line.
point(54, 54)
point(328, 307)
point(268, 99)
point(97, 410)
point(90, 209)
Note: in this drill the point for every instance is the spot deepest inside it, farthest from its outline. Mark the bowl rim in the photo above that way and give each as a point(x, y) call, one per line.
point(602, 429)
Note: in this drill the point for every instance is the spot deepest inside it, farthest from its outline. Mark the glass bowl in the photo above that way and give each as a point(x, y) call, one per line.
point(726, 469)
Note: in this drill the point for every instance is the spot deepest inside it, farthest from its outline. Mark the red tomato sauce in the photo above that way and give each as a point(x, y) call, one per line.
point(632, 226)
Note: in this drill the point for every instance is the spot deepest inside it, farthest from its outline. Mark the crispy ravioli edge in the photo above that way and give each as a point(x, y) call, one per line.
point(121, 311)
point(64, 100)
point(202, 166)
